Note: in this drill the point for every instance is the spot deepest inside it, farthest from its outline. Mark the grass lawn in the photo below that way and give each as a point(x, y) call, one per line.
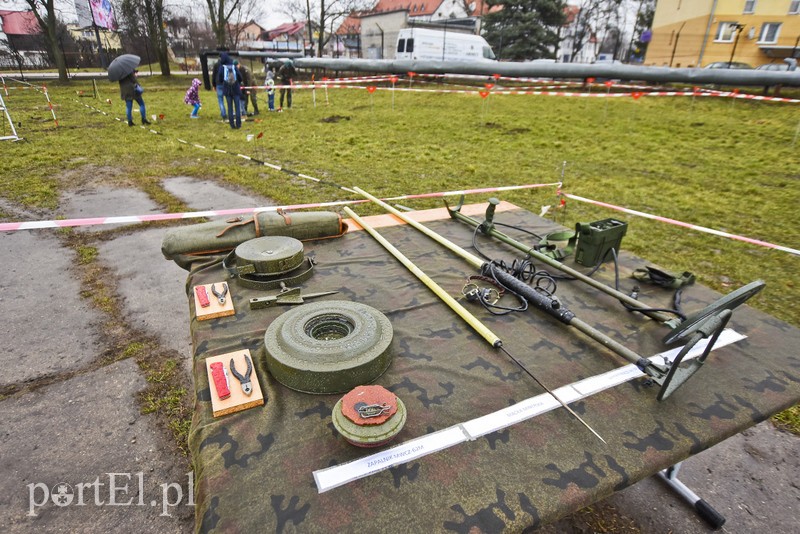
point(729, 165)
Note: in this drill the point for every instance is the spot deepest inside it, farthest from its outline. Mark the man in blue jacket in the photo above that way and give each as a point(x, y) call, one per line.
point(231, 81)
point(218, 88)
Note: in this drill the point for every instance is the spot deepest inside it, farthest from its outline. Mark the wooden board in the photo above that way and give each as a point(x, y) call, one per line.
point(214, 308)
point(238, 401)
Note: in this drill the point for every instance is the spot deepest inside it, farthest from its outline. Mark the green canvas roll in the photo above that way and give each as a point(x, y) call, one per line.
point(221, 236)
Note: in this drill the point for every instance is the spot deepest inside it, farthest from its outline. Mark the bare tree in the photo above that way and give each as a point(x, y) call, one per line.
point(45, 12)
point(146, 18)
point(583, 27)
point(600, 24)
point(12, 54)
point(245, 12)
point(323, 16)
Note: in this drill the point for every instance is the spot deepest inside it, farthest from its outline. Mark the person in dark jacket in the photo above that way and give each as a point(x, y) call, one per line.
point(232, 89)
point(218, 88)
point(286, 73)
point(130, 90)
point(248, 81)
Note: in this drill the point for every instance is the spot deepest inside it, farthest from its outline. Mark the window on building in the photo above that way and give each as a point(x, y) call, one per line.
point(725, 32)
point(749, 6)
point(794, 7)
point(769, 32)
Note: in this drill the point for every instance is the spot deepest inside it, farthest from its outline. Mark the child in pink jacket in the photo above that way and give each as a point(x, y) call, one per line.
point(193, 97)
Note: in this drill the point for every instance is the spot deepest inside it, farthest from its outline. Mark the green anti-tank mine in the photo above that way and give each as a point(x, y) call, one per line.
point(328, 347)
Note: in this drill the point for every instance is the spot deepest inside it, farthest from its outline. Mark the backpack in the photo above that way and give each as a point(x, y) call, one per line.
point(229, 74)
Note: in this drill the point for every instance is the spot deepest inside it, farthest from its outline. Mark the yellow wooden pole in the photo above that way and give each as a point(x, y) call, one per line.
point(462, 312)
point(472, 259)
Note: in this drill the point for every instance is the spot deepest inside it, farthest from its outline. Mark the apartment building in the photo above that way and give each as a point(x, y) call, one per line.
point(694, 33)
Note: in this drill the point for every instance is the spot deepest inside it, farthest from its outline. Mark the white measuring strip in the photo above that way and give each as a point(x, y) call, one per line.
point(338, 475)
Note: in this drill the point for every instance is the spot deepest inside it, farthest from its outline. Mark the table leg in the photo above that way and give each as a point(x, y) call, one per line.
point(705, 510)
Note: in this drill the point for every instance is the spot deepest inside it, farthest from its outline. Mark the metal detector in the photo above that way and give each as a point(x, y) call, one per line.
point(709, 323)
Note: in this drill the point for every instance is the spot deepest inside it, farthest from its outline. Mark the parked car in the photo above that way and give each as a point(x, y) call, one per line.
point(773, 66)
point(727, 65)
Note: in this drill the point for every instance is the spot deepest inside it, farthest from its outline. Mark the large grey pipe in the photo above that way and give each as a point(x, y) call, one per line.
point(560, 70)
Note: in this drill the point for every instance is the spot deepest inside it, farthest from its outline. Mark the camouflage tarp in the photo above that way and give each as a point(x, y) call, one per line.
point(253, 469)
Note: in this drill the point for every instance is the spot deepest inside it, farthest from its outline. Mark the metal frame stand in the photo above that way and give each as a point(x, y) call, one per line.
point(670, 475)
point(3, 108)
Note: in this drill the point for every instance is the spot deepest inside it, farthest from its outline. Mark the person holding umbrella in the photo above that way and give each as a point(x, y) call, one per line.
point(130, 90)
point(123, 70)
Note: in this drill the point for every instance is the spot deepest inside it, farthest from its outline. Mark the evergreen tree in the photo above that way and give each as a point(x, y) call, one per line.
point(525, 29)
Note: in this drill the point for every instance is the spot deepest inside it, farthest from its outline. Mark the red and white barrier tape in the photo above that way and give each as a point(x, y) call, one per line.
point(634, 94)
point(42, 89)
point(50, 104)
point(127, 219)
point(356, 78)
point(329, 81)
point(685, 225)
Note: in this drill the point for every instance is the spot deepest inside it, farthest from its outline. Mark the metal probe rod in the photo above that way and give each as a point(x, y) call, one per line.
point(632, 302)
point(552, 394)
point(462, 312)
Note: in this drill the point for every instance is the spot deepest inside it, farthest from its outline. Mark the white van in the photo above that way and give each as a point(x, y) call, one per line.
point(416, 43)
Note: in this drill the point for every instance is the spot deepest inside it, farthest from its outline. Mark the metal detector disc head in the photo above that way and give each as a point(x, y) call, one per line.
point(730, 301)
point(676, 377)
point(680, 370)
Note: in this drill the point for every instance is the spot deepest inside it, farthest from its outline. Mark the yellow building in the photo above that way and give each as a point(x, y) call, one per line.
point(109, 39)
point(694, 33)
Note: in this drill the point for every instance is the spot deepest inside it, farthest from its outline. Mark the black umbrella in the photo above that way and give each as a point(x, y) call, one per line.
point(122, 66)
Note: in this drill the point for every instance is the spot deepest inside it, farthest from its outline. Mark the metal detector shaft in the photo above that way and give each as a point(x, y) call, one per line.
point(553, 307)
point(633, 303)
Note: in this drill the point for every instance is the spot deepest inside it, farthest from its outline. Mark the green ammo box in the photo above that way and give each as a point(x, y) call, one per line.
point(596, 239)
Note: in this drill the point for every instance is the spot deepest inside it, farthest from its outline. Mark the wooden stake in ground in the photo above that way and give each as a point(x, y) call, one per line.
point(370, 90)
point(484, 96)
point(393, 79)
point(608, 84)
point(636, 95)
point(796, 133)
point(733, 97)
